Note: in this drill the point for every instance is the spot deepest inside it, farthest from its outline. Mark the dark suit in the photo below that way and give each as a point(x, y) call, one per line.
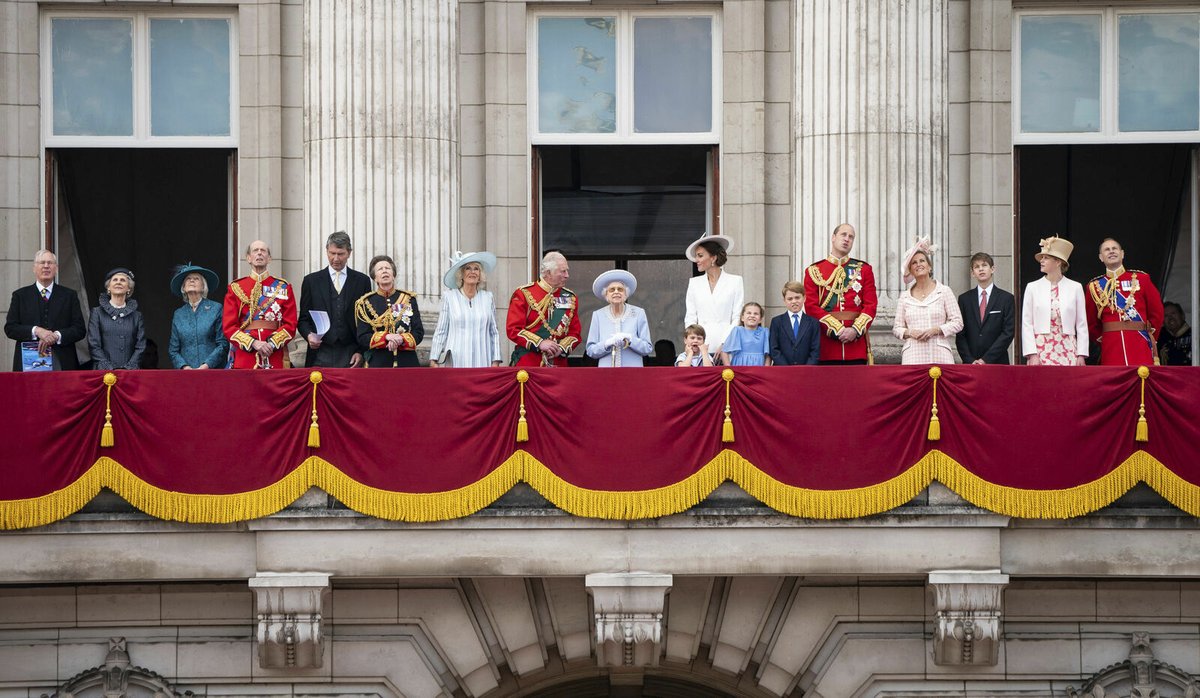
point(795, 350)
point(988, 340)
point(60, 313)
point(317, 293)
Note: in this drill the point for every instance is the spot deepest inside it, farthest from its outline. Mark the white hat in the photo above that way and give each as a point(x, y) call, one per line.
point(726, 243)
point(487, 260)
point(610, 276)
point(923, 245)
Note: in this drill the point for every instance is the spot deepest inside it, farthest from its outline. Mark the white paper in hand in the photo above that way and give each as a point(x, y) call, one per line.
point(321, 320)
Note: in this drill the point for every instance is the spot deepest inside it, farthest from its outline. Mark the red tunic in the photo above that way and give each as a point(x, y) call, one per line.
point(536, 313)
point(257, 309)
point(833, 290)
point(1138, 301)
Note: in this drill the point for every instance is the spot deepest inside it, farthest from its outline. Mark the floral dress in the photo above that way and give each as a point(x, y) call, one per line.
point(1056, 348)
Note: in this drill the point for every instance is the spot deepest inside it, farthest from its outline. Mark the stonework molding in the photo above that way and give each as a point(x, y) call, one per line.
point(116, 677)
point(1140, 676)
point(289, 618)
point(967, 606)
point(628, 612)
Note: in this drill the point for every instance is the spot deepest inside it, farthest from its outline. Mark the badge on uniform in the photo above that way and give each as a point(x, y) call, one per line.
point(562, 302)
point(1126, 285)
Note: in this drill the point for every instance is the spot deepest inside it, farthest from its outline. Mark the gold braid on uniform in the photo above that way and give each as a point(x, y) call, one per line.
point(387, 322)
point(1102, 298)
point(835, 284)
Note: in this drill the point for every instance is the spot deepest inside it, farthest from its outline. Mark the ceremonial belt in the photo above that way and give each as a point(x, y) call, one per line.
point(846, 316)
point(1119, 326)
point(263, 325)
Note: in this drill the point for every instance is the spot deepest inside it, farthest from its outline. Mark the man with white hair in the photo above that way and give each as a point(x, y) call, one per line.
point(543, 317)
point(45, 314)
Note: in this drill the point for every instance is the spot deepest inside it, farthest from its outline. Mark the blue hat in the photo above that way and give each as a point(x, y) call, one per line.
point(487, 260)
point(181, 273)
point(610, 276)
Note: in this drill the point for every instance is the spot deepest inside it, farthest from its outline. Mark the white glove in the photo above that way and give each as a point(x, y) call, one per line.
point(608, 343)
point(625, 337)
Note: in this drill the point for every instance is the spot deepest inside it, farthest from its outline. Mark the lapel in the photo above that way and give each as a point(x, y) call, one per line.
point(794, 338)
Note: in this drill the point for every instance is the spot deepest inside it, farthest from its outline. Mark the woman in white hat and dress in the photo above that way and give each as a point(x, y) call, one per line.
point(466, 334)
point(619, 335)
point(1054, 328)
point(927, 316)
point(714, 298)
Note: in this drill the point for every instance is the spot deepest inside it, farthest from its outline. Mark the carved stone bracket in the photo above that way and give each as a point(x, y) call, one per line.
point(629, 617)
point(289, 618)
point(967, 607)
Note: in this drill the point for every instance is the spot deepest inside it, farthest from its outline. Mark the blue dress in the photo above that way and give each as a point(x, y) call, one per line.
point(632, 323)
point(196, 336)
point(747, 347)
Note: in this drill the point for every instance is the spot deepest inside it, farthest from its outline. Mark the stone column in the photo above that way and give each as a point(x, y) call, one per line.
point(871, 133)
point(381, 133)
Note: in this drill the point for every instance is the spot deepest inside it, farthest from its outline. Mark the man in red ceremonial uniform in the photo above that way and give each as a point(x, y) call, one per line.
point(839, 292)
point(1125, 312)
point(543, 317)
point(260, 314)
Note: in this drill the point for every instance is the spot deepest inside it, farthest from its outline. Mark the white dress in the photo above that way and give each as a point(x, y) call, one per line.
point(466, 335)
point(718, 310)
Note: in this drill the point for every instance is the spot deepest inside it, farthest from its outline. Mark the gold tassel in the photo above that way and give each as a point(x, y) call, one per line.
point(935, 426)
point(727, 427)
point(1143, 429)
point(314, 431)
point(106, 433)
point(522, 425)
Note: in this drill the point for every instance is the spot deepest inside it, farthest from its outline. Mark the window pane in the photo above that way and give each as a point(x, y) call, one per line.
point(626, 201)
point(189, 77)
point(1060, 74)
point(577, 74)
point(93, 77)
point(672, 74)
point(1160, 72)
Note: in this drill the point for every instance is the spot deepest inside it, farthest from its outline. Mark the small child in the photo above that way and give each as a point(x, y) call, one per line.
point(695, 349)
point(748, 344)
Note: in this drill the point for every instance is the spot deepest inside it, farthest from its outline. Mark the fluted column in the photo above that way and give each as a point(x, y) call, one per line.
point(871, 129)
point(380, 132)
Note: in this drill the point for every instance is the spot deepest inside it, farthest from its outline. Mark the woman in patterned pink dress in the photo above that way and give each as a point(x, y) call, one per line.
point(1054, 328)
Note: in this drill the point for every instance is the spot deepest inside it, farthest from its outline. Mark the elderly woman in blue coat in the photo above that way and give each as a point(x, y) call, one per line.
point(196, 337)
point(619, 334)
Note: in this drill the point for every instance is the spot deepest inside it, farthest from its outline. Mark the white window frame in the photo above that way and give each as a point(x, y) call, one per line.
point(141, 137)
point(624, 135)
point(1109, 79)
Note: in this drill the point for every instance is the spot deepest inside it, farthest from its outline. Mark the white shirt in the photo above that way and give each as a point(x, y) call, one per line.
point(333, 276)
point(980, 290)
point(41, 292)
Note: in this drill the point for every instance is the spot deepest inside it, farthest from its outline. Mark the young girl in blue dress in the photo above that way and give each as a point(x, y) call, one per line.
point(748, 344)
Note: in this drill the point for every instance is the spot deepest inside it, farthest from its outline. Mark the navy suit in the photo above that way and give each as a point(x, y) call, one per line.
point(60, 313)
point(987, 340)
point(795, 350)
point(341, 341)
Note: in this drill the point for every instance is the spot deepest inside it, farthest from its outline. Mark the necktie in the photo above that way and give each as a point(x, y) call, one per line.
point(982, 305)
point(795, 326)
point(45, 294)
point(337, 281)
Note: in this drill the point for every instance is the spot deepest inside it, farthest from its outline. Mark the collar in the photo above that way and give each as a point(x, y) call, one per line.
point(545, 286)
point(840, 261)
point(41, 288)
point(334, 272)
point(987, 289)
point(1114, 274)
point(796, 314)
point(259, 277)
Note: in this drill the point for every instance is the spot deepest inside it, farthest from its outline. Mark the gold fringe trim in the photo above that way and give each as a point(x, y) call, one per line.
point(602, 504)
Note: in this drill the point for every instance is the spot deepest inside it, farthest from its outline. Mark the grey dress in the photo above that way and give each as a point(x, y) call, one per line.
point(116, 336)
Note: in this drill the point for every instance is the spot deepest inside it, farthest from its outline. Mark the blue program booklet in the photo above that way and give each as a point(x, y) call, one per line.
point(32, 361)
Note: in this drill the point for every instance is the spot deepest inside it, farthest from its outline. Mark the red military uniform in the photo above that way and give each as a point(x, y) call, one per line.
point(841, 293)
point(1125, 314)
point(258, 308)
point(535, 312)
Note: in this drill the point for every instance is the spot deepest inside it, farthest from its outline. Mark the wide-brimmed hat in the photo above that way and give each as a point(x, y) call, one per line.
point(1054, 246)
point(458, 260)
point(181, 273)
point(726, 244)
point(922, 245)
point(610, 276)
